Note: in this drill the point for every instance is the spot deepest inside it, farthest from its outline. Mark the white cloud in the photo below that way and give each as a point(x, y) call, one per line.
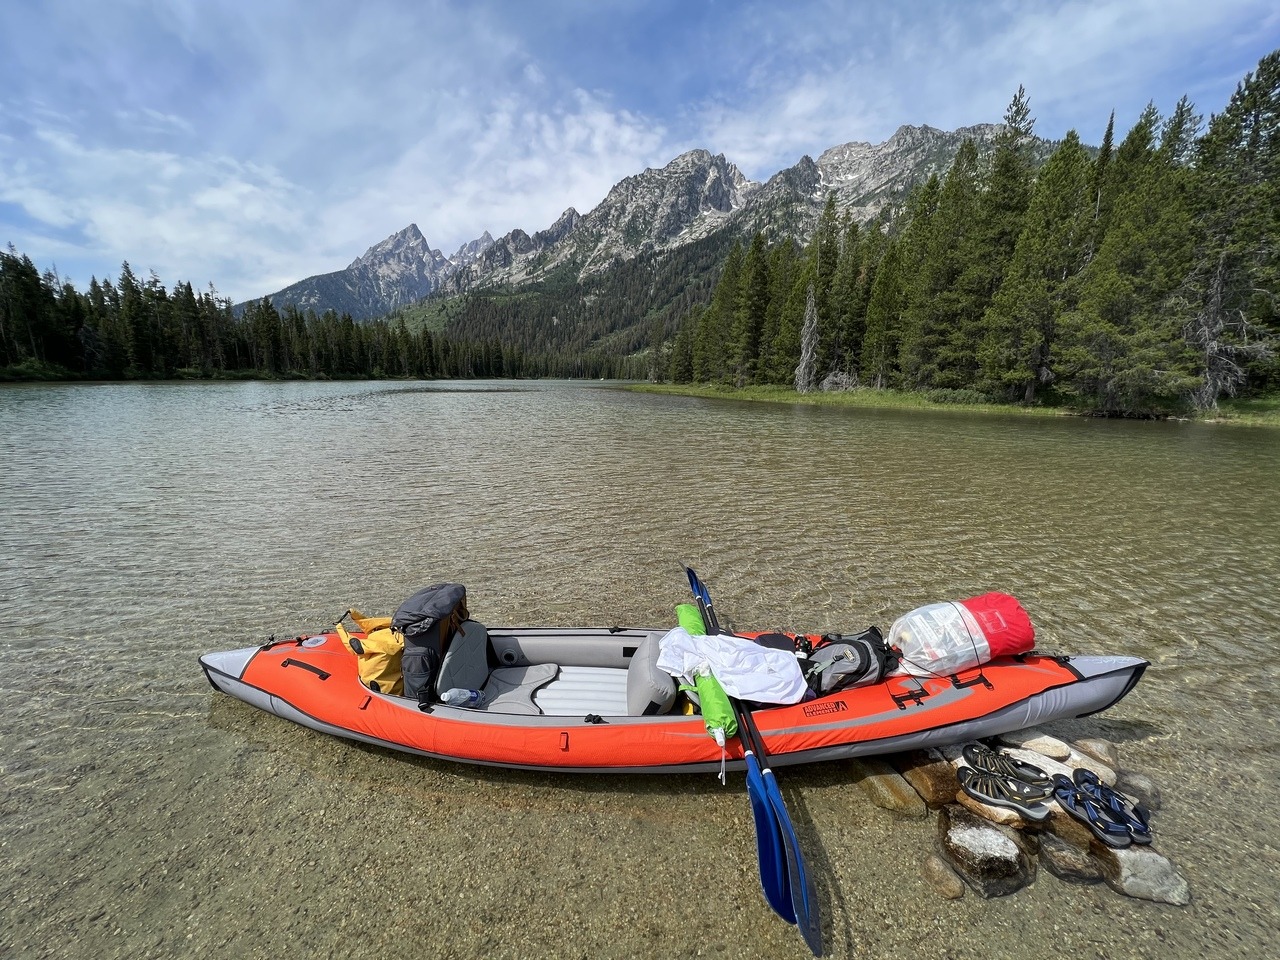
point(253, 145)
point(516, 164)
point(186, 217)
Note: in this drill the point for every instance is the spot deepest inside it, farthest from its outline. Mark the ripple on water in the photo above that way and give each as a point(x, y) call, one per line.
point(145, 816)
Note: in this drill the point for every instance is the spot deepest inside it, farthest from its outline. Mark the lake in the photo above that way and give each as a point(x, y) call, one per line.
point(146, 816)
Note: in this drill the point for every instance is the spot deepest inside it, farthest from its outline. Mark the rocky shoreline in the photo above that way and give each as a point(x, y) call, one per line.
point(996, 851)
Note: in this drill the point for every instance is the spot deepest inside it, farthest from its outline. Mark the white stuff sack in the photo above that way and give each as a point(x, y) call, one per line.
point(938, 640)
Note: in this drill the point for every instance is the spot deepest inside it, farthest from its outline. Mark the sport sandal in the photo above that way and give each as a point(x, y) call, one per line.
point(998, 791)
point(981, 757)
point(1090, 812)
point(1133, 816)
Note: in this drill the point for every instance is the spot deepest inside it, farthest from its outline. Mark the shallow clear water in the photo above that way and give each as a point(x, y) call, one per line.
point(143, 815)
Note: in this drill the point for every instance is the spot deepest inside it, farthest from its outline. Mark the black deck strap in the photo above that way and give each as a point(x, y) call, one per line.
point(310, 668)
point(273, 642)
point(594, 718)
point(917, 695)
point(981, 678)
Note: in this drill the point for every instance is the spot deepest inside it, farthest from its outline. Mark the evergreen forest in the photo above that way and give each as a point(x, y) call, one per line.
point(1138, 279)
point(1135, 278)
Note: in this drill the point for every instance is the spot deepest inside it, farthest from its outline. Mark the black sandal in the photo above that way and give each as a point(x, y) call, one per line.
point(999, 791)
point(981, 757)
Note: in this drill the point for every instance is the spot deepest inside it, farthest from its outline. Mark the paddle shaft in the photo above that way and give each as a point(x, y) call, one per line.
point(803, 895)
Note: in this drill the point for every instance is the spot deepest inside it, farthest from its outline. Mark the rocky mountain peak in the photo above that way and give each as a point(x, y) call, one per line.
point(406, 246)
point(469, 252)
point(694, 196)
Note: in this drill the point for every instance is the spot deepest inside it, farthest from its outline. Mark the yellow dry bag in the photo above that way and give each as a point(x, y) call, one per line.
point(378, 652)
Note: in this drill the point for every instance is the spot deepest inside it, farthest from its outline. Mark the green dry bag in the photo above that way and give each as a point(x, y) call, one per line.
point(717, 714)
point(687, 616)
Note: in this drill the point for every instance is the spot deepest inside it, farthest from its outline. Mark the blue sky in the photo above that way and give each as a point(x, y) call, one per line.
point(252, 143)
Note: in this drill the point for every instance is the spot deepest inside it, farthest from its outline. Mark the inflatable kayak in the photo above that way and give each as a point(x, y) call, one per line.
point(576, 700)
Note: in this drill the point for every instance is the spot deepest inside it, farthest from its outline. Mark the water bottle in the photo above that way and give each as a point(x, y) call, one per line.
point(461, 697)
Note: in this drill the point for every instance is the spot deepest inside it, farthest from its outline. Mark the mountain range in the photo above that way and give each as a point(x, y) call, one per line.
point(695, 196)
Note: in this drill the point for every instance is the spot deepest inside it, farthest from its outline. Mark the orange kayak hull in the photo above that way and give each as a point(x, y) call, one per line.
point(314, 681)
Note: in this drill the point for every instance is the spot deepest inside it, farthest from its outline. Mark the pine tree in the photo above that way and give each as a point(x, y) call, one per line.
point(1006, 193)
point(1228, 302)
point(657, 352)
point(713, 340)
point(1039, 286)
point(752, 311)
point(786, 346)
point(133, 320)
point(902, 289)
point(848, 312)
point(681, 369)
point(783, 266)
point(880, 345)
point(824, 248)
point(1099, 187)
point(938, 340)
point(1122, 350)
point(872, 244)
point(27, 310)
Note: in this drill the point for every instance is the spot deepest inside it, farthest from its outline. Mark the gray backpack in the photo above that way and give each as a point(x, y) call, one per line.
point(839, 662)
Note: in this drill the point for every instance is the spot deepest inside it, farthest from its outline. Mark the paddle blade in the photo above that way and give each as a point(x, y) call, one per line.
point(804, 896)
point(773, 863)
point(703, 597)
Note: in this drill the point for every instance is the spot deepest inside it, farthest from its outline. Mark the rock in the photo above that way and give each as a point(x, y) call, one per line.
point(1077, 760)
point(887, 789)
point(942, 878)
point(1001, 815)
point(984, 856)
point(1101, 750)
point(1142, 873)
point(1066, 827)
point(932, 777)
point(1067, 861)
point(1039, 742)
point(952, 752)
point(1140, 787)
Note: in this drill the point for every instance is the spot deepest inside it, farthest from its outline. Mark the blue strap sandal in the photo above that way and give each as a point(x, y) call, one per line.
point(1090, 812)
point(1133, 816)
point(998, 791)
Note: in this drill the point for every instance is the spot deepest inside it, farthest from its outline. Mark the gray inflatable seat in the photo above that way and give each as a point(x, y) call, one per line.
point(511, 689)
point(650, 690)
point(467, 661)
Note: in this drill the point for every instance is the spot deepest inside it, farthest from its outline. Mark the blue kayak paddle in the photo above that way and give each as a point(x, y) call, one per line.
point(781, 877)
point(774, 878)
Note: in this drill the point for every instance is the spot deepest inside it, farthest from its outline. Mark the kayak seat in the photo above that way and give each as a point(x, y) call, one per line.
point(650, 689)
point(468, 660)
point(511, 689)
point(578, 691)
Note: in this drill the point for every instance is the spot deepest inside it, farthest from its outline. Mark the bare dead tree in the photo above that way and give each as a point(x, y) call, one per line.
point(1222, 335)
point(806, 369)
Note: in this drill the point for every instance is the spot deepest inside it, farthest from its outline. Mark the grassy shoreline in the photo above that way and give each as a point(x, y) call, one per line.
point(1253, 412)
point(1263, 412)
